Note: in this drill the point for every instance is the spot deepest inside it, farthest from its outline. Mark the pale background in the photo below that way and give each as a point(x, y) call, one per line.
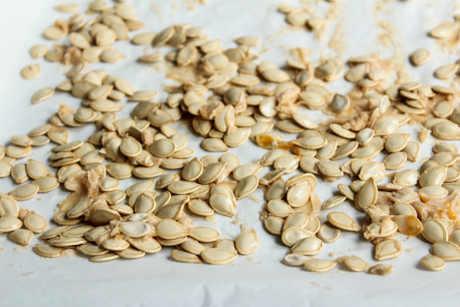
point(155, 280)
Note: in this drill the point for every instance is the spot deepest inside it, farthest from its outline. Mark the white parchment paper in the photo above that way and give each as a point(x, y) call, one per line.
point(359, 27)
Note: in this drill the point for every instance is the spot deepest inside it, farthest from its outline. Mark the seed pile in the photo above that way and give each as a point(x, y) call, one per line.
point(231, 99)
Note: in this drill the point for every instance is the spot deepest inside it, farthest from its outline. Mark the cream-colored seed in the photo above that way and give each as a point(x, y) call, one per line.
point(319, 265)
point(343, 221)
point(433, 263)
point(356, 264)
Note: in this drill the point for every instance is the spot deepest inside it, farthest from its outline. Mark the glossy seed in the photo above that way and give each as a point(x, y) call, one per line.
point(433, 263)
point(218, 256)
point(319, 265)
point(434, 231)
point(446, 250)
point(343, 221)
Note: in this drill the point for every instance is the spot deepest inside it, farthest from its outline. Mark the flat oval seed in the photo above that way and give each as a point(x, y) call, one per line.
point(169, 229)
point(48, 251)
point(58, 135)
point(333, 202)
point(356, 264)
point(115, 244)
point(218, 256)
point(144, 203)
point(145, 244)
point(388, 249)
point(130, 147)
point(446, 130)
point(408, 225)
point(420, 56)
point(204, 234)
point(143, 186)
point(279, 208)
point(274, 224)
point(328, 233)
point(308, 247)
point(434, 231)
point(193, 247)
point(395, 160)
point(446, 250)
point(36, 169)
point(24, 192)
point(17, 152)
point(319, 265)
point(19, 173)
point(67, 241)
point(295, 259)
point(245, 170)
point(104, 258)
point(222, 204)
point(367, 195)
point(433, 192)
point(433, 176)
point(246, 186)
point(5, 170)
point(134, 229)
point(119, 170)
point(406, 178)
point(386, 125)
point(403, 209)
point(247, 242)
point(35, 222)
point(8, 207)
point(9, 223)
point(294, 234)
point(364, 136)
point(183, 256)
point(21, 236)
point(343, 221)
point(433, 263)
point(42, 94)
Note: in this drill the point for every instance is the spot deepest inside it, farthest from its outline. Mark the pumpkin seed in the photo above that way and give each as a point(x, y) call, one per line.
point(420, 57)
point(367, 195)
point(46, 184)
point(16, 152)
point(218, 256)
point(406, 178)
point(319, 265)
point(328, 233)
point(30, 71)
point(381, 269)
point(24, 192)
point(19, 173)
point(388, 249)
point(446, 250)
point(9, 223)
point(308, 246)
point(434, 231)
point(213, 145)
point(21, 236)
point(343, 221)
point(293, 235)
point(48, 251)
point(295, 259)
point(333, 201)
point(42, 94)
point(433, 263)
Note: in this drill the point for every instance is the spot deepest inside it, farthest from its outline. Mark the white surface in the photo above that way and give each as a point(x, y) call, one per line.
point(27, 279)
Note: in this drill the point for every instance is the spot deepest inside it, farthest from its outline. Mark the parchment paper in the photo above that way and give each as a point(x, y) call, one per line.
point(359, 27)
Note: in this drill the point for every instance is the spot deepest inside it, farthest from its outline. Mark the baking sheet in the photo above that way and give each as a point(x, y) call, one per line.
point(359, 27)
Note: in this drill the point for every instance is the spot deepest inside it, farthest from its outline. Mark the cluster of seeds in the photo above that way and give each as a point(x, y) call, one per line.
point(228, 109)
point(305, 17)
point(91, 38)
